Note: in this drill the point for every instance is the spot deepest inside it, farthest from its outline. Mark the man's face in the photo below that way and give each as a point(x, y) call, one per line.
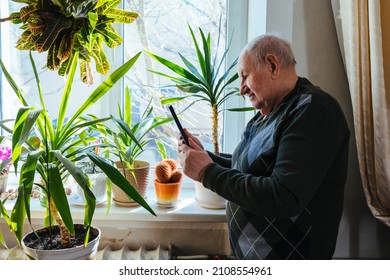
point(256, 82)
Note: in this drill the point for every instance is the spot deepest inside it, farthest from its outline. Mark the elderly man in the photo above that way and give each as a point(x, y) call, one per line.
point(285, 180)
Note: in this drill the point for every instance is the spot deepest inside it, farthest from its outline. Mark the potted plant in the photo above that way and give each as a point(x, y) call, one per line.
point(39, 146)
point(98, 182)
point(64, 28)
point(167, 182)
point(53, 151)
point(128, 142)
point(205, 82)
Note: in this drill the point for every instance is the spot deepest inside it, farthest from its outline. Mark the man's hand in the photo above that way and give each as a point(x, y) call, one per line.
point(194, 159)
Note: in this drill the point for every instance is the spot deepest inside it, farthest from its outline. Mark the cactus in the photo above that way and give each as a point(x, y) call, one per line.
point(176, 176)
point(166, 171)
point(172, 163)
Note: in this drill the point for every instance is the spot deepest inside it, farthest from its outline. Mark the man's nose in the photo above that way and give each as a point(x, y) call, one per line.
point(244, 89)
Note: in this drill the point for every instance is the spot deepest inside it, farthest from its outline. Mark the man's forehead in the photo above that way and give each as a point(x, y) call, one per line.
point(245, 61)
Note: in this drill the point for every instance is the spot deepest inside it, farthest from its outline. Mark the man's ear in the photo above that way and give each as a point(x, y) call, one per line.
point(273, 67)
point(273, 63)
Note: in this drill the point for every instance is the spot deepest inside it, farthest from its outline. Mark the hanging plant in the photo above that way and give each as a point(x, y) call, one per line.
point(64, 27)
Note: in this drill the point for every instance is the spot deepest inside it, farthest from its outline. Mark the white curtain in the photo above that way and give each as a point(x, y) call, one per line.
point(364, 34)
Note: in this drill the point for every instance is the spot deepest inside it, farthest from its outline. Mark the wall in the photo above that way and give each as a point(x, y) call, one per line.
point(310, 26)
point(185, 238)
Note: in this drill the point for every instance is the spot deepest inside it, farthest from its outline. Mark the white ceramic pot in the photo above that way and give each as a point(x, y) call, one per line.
point(207, 198)
point(98, 188)
point(75, 253)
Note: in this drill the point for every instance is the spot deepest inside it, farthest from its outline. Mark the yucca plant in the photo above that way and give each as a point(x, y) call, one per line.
point(208, 81)
point(51, 151)
point(130, 139)
point(66, 27)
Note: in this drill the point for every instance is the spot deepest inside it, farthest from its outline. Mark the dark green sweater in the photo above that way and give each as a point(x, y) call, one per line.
point(285, 181)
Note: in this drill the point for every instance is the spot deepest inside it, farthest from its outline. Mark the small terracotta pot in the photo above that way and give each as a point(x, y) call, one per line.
point(138, 177)
point(167, 193)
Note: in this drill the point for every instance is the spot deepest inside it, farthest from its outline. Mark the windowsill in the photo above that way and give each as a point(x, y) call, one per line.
point(184, 226)
point(187, 210)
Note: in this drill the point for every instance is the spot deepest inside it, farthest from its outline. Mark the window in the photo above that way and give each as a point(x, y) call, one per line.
point(160, 28)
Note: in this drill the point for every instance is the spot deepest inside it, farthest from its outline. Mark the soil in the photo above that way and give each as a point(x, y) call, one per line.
point(49, 239)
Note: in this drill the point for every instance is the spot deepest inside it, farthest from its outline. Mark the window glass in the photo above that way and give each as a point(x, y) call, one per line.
point(162, 29)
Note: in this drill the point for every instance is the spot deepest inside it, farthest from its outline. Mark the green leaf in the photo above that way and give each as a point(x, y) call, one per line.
point(66, 94)
point(13, 84)
point(3, 126)
point(63, 28)
point(37, 80)
point(55, 23)
point(86, 72)
point(121, 16)
point(126, 130)
point(161, 149)
point(84, 183)
point(166, 101)
point(174, 67)
point(242, 109)
point(109, 35)
point(101, 61)
point(127, 107)
point(44, 123)
point(205, 83)
point(118, 179)
point(103, 88)
point(193, 69)
point(24, 123)
point(80, 9)
point(21, 208)
point(57, 194)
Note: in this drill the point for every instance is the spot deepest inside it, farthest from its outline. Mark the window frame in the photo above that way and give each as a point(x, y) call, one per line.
point(246, 19)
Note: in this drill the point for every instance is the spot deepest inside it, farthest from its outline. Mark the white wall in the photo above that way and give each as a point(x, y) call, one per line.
point(310, 26)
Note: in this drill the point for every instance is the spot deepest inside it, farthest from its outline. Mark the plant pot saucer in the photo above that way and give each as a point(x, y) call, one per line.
point(78, 201)
point(167, 205)
point(221, 205)
point(126, 203)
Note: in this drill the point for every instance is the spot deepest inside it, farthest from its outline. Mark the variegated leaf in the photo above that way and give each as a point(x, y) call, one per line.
point(122, 16)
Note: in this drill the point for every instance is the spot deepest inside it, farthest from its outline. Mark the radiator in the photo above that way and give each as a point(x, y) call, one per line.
point(124, 253)
point(106, 253)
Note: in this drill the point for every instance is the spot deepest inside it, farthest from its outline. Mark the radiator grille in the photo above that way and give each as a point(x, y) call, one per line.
point(106, 253)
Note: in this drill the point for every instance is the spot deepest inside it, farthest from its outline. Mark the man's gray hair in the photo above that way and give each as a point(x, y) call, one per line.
point(259, 47)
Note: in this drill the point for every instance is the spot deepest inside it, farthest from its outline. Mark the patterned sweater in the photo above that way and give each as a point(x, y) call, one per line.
point(285, 181)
